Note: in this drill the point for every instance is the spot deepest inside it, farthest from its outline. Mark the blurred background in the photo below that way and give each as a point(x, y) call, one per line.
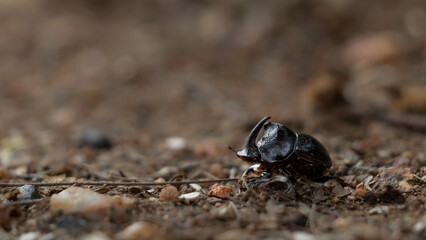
point(157, 89)
point(206, 69)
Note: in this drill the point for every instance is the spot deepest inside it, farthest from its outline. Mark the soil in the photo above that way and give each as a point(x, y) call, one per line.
point(157, 90)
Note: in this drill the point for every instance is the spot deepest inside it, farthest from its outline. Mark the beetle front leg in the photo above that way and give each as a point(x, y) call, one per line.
point(259, 174)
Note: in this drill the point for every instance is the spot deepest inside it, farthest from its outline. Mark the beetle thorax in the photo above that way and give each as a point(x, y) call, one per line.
point(277, 143)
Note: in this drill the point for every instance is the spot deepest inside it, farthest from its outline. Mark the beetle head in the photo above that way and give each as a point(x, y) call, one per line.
point(251, 153)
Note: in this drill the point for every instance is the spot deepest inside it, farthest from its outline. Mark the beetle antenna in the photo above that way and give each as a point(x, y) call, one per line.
point(230, 148)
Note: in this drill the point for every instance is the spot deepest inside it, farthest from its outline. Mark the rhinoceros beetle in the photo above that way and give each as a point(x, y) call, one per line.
point(282, 151)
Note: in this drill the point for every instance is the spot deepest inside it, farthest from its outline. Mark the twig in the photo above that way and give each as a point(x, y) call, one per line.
point(24, 202)
point(101, 183)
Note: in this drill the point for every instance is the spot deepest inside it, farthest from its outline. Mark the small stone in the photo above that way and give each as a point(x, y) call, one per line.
point(81, 200)
point(420, 226)
point(351, 198)
point(95, 139)
point(303, 236)
point(379, 210)
point(176, 143)
point(169, 193)
point(196, 187)
point(190, 196)
point(165, 171)
point(141, 231)
point(28, 192)
point(30, 236)
point(220, 191)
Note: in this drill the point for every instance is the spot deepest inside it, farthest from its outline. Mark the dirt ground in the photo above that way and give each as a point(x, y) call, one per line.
point(165, 86)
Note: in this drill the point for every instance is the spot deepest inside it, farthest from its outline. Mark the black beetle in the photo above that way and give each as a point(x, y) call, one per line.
point(282, 151)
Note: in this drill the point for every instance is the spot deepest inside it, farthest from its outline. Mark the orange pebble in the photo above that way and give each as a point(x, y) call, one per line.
point(220, 191)
point(169, 193)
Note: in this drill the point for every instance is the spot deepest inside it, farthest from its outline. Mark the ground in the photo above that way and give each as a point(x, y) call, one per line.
point(171, 84)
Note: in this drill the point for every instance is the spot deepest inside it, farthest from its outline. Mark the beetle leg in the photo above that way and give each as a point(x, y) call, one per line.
point(265, 176)
point(291, 181)
point(253, 169)
point(260, 174)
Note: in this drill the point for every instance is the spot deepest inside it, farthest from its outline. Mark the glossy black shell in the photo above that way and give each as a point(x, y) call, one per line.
point(280, 144)
point(284, 150)
point(312, 151)
point(277, 143)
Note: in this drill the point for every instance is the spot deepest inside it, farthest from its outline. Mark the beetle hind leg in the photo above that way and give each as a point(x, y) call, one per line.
point(291, 182)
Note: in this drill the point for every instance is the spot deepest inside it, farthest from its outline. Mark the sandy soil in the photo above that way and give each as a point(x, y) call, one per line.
point(171, 84)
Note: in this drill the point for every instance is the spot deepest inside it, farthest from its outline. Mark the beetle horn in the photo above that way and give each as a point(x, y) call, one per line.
point(251, 140)
point(251, 148)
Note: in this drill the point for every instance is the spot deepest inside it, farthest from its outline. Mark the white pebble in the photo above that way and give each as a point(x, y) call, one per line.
point(29, 236)
point(379, 210)
point(190, 196)
point(175, 143)
point(82, 200)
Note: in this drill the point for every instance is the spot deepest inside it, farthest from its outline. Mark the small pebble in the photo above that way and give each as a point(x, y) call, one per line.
point(190, 196)
point(169, 193)
point(303, 236)
point(141, 231)
point(351, 198)
point(30, 236)
point(420, 226)
point(82, 200)
point(95, 139)
point(176, 143)
point(379, 210)
point(220, 191)
point(28, 192)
